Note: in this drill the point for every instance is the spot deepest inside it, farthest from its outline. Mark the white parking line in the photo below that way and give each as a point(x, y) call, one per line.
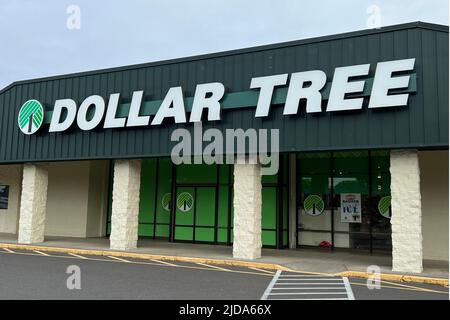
point(210, 266)
point(311, 299)
point(310, 279)
point(270, 286)
point(8, 250)
point(302, 276)
point(308, 287)
point(305, 288)
point(77, 255)
point(262, 270)
point(42, 253)
point(348, 287)
point(164, 262)
point(308, 293)
point(120, 259)
point(309, 283)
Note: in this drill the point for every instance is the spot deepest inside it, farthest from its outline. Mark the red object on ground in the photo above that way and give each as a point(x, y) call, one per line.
point(325, 244)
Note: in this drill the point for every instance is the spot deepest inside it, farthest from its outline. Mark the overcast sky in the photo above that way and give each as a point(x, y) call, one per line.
point(44, 38)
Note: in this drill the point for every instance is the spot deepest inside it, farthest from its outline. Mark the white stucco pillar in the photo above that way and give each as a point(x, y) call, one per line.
point(125, 204)
point(33, 204)
point(406, 217)
point(247, 211)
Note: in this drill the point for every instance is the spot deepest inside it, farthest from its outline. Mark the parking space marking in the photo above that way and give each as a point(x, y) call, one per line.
point(152, 262)
point(348, 288)
point(310, 299)
point(384, 286)
point(164, 262)
point(30, 253)
point(305, 288)
point(289, 282)
point(120, 259)
point(214, 267)
point(78, 256)
point(312, 279)
point(306, 293)
point(406, 286)
point(270, 286)
point(314, 283)
point(41, 253)
point(399, 286)
point(262, 270)
point(308, 287)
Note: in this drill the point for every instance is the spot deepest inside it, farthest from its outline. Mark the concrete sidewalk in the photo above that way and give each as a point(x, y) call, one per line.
point(307, 260)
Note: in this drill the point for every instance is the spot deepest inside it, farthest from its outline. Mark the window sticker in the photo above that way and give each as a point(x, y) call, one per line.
point(313, 205)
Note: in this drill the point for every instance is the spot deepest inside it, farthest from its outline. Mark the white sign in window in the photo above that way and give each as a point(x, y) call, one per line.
point(351, 207)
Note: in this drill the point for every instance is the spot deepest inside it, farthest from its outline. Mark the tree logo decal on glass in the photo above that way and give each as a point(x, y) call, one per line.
point(384, 207)
point(31, 117)
point(185, 201)
point(165, 201)
point(313, 205)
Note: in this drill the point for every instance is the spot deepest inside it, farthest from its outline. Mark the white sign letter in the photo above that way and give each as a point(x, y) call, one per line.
point(173, 97)
point(216, 91)
point(266, 84)
point(383, 82)
point(341, 86)
point(110, 120)
point(71, 107)
point(99, 110)
point(134, 119)
point(297, 91)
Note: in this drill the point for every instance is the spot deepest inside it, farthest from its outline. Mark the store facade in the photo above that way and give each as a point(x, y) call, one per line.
point(361, 125)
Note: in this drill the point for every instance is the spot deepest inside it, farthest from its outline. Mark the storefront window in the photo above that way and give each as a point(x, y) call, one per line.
point(351, 199)
point(381, 201)
point(204, 203)
point(315, 215)
point(340, 197)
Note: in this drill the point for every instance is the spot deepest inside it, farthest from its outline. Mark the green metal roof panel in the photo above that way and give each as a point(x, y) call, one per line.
point(423, 124)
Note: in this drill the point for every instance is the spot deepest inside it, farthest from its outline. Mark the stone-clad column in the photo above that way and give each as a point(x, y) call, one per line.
point(247, 211)
point(406, 217)
point(33, 204)
point(125, 204)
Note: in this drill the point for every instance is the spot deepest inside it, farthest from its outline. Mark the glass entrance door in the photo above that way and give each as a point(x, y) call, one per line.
point(203, 211)
point(195, 214)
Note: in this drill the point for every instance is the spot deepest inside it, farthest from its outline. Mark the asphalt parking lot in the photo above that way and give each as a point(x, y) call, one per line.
point(27, 274)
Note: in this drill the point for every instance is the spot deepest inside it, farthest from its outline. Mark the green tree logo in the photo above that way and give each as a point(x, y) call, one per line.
point(313, 205)
point(31, 117)
point(185, 201)
point(165, 202)
point(384, 207)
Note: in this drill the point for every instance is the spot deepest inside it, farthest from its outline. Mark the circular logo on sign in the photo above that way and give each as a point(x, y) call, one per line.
point(384, 207)
point(313, 205)
point(185, 201)
point(31, 116)
point(165, 201)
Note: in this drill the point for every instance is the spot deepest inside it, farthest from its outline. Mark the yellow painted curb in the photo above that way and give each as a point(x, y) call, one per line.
point(395, 277)
point(145, 256)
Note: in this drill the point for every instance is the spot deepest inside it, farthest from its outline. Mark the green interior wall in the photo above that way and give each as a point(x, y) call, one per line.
point(156, 182)
point(210, 215)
